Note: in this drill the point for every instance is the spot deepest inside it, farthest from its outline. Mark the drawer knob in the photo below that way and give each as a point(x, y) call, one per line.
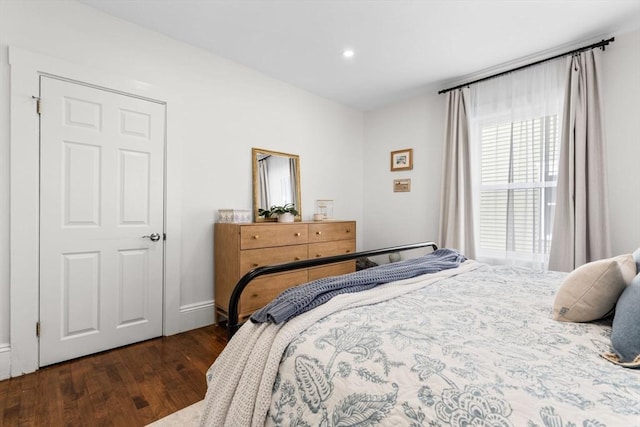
point(256, 236)
point(297, 258)
point(318, 255)
point(255, 265)
point(348, 251)
point(297, 234)
point(318, 232)
point(348, 230)
point(254, 296)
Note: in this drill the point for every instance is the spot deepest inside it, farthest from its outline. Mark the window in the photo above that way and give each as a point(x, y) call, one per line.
point(517, 186)
point(514, 134)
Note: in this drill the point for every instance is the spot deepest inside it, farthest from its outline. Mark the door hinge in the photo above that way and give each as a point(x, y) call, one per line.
point(38, 329)
point(38, 103)
point(164, 236)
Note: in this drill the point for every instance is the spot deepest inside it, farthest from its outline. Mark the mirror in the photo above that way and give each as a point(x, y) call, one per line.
point(276, 181)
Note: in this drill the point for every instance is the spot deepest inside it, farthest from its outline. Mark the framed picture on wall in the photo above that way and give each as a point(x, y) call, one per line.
point(402, 160)
point(401, 185)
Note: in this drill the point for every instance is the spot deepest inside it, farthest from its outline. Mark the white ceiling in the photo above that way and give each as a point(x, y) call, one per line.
point(401, 47)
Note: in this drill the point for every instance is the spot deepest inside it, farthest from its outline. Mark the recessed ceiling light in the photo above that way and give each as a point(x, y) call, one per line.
point(348, 53)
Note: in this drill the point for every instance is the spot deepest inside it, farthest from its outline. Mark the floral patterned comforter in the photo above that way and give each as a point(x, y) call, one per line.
point(478, 349)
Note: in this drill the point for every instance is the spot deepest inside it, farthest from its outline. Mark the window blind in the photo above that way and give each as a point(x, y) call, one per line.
point(518, 176)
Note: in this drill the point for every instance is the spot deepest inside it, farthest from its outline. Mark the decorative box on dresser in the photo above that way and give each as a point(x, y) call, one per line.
point(239, 248)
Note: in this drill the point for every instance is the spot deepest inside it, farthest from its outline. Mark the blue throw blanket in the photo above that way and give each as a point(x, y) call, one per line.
point(300, 299)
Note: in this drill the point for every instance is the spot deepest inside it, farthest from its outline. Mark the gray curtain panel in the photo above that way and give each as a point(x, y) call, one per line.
point(581, 223)
point(456, 207)
point(293, 172)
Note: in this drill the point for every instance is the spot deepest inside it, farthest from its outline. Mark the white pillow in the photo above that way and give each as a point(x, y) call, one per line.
point(590, 291)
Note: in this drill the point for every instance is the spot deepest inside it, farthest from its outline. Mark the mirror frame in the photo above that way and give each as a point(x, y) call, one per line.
point(256, 197)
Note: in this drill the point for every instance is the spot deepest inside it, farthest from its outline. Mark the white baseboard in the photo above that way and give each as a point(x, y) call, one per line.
point(5, 361)
point(197, 315)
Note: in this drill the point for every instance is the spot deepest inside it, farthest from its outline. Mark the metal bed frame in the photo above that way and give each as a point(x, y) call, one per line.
point(234, 300)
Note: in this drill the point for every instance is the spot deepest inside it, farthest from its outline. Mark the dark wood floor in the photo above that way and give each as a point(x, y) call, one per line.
point(129, 386)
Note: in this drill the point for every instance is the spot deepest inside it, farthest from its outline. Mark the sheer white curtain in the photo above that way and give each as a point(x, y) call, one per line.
point(515, 140)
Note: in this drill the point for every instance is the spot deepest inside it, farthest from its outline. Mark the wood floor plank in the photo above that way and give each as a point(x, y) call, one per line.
point(129, 386)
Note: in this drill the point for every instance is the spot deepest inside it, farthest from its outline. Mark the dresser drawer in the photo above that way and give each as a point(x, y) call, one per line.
point(263, 290)
point(271, 235)
point(332, 270)
point(253, 258)
point(332, 231)
point(337, 247)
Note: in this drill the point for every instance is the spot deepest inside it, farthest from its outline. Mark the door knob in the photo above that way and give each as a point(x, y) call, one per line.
point(154, 237)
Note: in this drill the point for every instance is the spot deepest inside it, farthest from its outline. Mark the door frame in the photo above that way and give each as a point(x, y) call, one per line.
point(26, 68)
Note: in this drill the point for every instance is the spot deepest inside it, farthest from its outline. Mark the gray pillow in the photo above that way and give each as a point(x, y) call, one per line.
point(636, 257)
point(625, 333)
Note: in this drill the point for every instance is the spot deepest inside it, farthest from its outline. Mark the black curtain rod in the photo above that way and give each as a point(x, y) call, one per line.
point(600, 44)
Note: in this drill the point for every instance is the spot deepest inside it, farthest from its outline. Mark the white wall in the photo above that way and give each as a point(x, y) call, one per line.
point(224, 109)
point(399, 218)
point(621, 92)
point(395, 218)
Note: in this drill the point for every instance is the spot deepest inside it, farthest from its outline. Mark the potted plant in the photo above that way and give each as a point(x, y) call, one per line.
point(284, 213)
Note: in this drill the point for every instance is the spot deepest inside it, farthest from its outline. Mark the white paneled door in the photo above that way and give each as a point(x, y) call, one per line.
point(101, 191)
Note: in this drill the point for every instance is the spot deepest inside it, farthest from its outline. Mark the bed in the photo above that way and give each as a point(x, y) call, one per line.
point(473, 345)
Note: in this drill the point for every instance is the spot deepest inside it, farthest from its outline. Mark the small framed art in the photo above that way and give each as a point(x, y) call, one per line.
point(324, 210)
point(402, 160)
point(401, 185)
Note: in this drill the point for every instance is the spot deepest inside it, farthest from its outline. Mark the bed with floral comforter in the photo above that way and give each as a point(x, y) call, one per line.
point(478, 348)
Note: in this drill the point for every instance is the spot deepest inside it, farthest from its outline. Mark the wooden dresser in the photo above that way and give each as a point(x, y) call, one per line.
point(239, 248)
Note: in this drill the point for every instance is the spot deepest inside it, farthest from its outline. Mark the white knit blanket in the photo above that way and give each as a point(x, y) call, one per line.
point(240, 381)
